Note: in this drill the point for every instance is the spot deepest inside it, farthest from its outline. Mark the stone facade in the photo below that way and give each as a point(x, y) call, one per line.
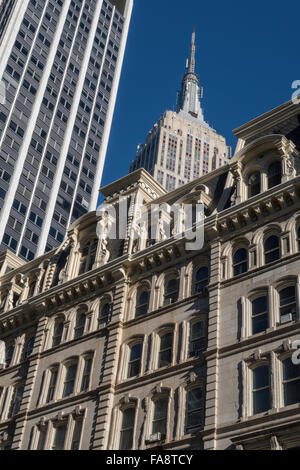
point(114, 344)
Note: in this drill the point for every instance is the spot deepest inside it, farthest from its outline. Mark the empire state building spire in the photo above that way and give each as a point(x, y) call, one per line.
point(189, 97)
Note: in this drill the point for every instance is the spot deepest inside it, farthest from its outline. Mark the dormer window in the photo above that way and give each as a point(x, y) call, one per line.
point(254, 185)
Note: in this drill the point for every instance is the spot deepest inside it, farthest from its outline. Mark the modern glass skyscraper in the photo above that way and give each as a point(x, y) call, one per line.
point(181, 146)
point(60, 62)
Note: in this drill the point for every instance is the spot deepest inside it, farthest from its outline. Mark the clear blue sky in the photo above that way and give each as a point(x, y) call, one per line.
point(247, 57)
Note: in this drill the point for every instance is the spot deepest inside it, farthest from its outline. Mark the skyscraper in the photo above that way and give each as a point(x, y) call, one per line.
point(60, 62)
point(181, 146)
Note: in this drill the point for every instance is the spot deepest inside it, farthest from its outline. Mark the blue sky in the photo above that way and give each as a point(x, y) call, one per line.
point(247, 59)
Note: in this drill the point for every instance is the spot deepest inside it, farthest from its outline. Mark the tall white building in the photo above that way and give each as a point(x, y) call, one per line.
point(181, 146)
point(60, 62)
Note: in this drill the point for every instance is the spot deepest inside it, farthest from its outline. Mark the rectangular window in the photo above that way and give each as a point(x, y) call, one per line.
point(70, 380)
point(160, 417)
point(195, 408)
point(75, 445)
point(86, 374)
point(260, 320)
point(291, 382)
point(261, 389)
point(127, 428)
point(59, 437)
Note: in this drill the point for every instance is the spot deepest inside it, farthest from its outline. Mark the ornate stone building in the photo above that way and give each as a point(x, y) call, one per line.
point(121, 345)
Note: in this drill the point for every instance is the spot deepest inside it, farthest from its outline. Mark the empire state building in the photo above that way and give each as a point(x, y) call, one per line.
point(182, 146)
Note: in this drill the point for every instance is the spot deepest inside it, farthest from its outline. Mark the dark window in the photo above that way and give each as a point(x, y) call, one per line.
point(160, 417)
point(254, 187)
point(70, 380)
point(16, 400)
point(52, 385)
point(58, 332)
point(197, 339)
point(86, 374)
point(272, 249)
point(291, 382)
point(195, 408)
point(171, 291)
point(80, 325)
point(274, 174)
point(288, 305)
point(165, 351)
point(134, 366)
point(261, 389)
point(127, 428)
point(240, 262)
point(142, 303)
point(201, 279)
point(104, 314)
point(260, 317)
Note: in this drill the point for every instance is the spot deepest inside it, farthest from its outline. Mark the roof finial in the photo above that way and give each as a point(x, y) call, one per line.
point(193, 52)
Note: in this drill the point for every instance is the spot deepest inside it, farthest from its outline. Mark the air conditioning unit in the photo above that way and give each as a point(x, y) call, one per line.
point(157, 437)
point(286, 318)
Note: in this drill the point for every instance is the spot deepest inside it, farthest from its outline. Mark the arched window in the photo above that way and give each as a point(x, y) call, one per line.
point(194, 408)
point(135, 357)
point(272, 249)
point(104, 316)
point(274, 174)
point(88, 256)
point(57, 332)
point(291, 382)
point(197, 339)
point(261, 389)
point(160, 417)
point(201, 279)
point(254, 186)
point(165, 355)
point(260, 316)
point(142, 302)
point(70, 377)
point(171, 291)
point(288, 304)
point(298, 237)
point(80, 325)
point(240, 262)
point(127, 429)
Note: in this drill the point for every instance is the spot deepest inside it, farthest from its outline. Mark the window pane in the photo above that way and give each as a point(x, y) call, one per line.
point(160, 417)
point(195, 406)
point(126, 436)
point(259, 305)
point(254, 184)
point(70, 380)
point(261, 401)
point(261, 377)
point(76, 435)
point(274, 174)
point(59, 438)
